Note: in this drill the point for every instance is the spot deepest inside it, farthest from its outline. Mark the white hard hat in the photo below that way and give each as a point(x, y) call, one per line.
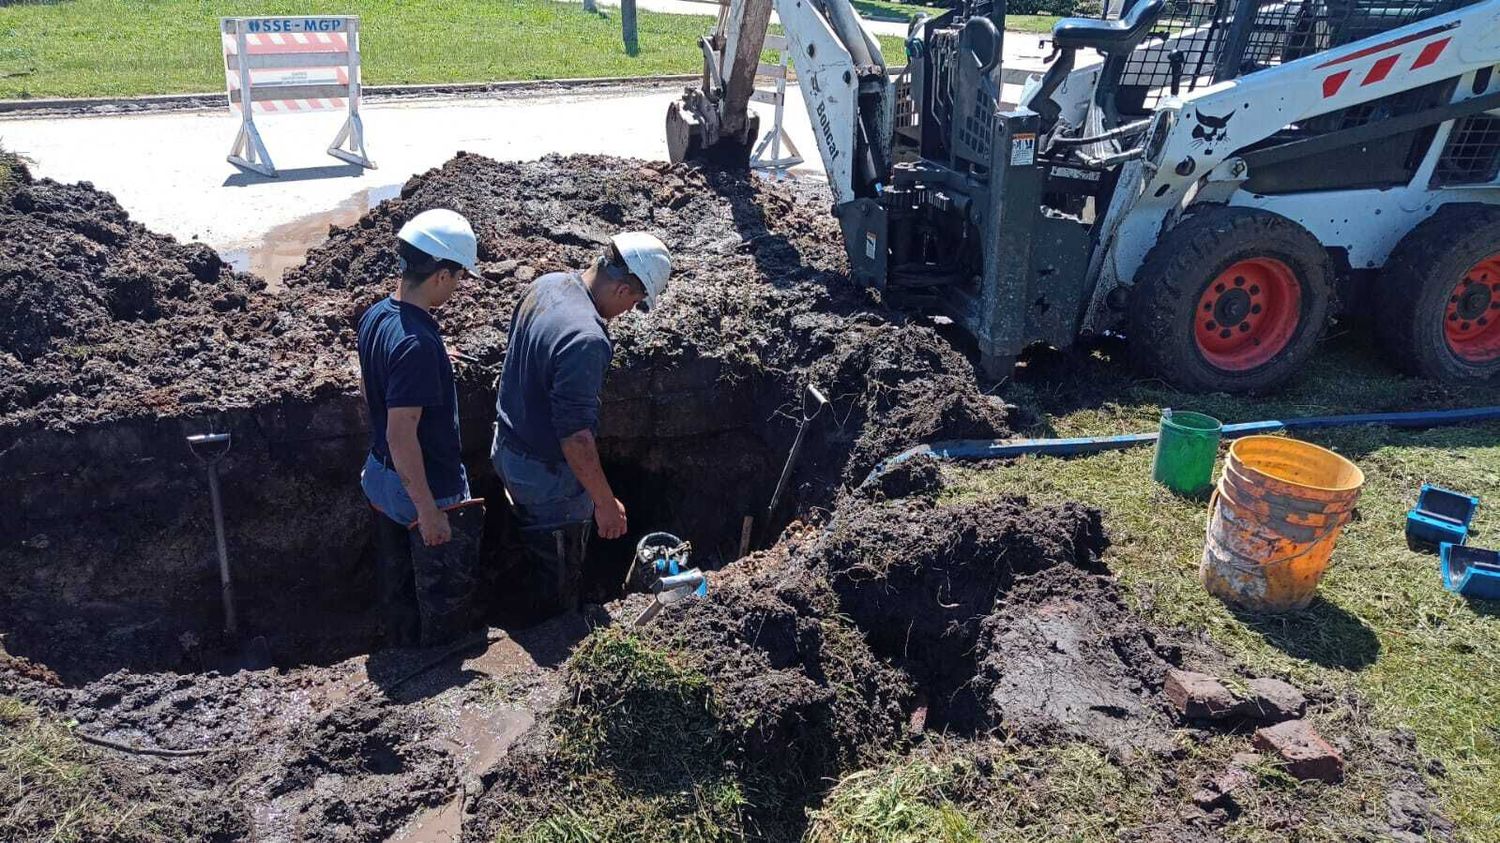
point(647, 259)
point(445, 235)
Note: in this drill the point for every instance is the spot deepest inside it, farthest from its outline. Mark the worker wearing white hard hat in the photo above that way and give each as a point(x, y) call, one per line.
point(426, 535)
point(547, 410)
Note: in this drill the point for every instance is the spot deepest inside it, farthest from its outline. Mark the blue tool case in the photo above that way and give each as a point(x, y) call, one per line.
point(1441, 515)
point(1471, 571)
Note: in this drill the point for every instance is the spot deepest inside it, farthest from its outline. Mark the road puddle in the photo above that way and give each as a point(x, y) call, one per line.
point(286, 245)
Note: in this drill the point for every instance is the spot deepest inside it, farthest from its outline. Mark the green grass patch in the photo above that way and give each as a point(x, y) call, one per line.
point(1383, 625)
point(968, 792)
point(133, 47)
point(1030, 23)
point(989, 791)
point(890, 11)
point(638, 754)
point(51, 787)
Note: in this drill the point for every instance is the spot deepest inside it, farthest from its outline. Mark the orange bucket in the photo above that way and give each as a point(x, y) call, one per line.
point(1273, 521)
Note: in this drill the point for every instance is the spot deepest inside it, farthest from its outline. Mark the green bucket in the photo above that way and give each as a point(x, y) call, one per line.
point(1185, 451)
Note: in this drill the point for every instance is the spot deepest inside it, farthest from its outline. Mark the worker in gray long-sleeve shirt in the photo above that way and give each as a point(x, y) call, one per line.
point(547, 411)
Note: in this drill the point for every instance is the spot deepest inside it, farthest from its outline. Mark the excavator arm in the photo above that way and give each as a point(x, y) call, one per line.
point(842, 77)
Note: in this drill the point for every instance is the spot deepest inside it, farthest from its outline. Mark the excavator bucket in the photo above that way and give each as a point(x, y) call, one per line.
point(686, 134)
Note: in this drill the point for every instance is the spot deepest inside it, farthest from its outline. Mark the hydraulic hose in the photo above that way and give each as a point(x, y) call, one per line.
point(985, 449)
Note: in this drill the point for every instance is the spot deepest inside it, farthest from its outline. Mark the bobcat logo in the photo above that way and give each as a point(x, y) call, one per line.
point(1210, 130)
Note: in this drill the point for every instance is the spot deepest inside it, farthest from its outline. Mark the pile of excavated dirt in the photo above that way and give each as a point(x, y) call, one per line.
point(99, 316)
point(758, 301)
point(920, 579)
point(1063, 658)
point(725, 717)
point(708, 387)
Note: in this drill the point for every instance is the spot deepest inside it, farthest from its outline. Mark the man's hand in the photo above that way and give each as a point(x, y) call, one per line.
point(611, 519)
point(433, 524)
point(582, 455)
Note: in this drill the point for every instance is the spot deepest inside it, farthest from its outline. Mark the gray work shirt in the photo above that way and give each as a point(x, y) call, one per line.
point(554, 367)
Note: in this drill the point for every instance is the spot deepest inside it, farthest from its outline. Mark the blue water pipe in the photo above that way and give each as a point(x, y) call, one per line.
point(986, 449)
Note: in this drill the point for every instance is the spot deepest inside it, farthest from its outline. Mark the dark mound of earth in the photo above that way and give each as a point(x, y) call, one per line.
point(920, 578)
point(758, 299)
point(1063, 654)
point(92, 304)
point(729, 713)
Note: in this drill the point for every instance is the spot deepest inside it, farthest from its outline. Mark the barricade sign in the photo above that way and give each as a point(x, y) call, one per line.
point(290, 65)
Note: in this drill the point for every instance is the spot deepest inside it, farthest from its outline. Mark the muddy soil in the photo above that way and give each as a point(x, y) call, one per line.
point(709, 387)
point(1061, 657)
point(363, 750)
point(764, 692)
point(920, 579)
point(893, 618)
point(99, 316)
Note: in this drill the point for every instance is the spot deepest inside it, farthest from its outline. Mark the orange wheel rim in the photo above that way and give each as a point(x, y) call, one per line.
point(1248, 314)
point(1471, 320)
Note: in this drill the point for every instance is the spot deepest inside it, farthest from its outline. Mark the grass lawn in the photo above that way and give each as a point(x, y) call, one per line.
point(1421, 658)
point(1030, 23)
point(888, 10)
point(132, 47)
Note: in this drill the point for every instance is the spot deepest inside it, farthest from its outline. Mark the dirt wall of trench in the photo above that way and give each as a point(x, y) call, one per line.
point(108, 559)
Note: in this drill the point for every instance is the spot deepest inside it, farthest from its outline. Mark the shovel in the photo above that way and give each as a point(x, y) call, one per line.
point(210, 449)
point(818, 403)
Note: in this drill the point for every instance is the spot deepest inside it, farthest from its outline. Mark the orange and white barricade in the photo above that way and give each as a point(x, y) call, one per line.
point(290, 65)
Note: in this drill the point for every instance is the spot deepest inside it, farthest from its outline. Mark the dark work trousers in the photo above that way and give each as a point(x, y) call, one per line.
point(426, 593)
point(556, 518)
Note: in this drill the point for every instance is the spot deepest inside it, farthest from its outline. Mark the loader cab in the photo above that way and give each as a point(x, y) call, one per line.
point(1000, 179)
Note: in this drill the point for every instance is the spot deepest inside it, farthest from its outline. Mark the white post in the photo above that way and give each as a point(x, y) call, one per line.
point(354, 127)
point(248, 150)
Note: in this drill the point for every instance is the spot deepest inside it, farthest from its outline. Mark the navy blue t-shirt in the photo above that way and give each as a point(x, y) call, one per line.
point(554, 367)
point(405, 364)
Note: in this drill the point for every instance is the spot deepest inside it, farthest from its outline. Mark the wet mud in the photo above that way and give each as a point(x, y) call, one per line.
point(870, 624)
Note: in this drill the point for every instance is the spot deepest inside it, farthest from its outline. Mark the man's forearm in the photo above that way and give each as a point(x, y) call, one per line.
point(406, 454)
point(582, 454)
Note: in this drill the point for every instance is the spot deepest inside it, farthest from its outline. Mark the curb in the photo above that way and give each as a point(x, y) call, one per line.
point(165, 102)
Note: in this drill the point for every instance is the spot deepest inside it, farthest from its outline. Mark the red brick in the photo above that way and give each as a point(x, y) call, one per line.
point(1198, 696)
point(1306, 754)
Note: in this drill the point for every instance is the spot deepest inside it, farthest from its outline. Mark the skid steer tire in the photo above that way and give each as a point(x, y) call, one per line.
point(1437, 302)
point(1230, 300)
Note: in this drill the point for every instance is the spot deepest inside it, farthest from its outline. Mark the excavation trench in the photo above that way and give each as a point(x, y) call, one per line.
point(138, 531)
point(109, 554)
point(877, 617)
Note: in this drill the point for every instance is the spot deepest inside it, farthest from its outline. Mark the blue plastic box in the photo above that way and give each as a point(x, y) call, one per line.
point(1441, 515)
point(1471, 571)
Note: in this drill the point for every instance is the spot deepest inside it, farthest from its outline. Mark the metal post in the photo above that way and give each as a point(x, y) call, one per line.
point(627, 23)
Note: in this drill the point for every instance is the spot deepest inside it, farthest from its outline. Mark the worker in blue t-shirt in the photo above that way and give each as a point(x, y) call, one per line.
point(547, 410)
point(426, 529)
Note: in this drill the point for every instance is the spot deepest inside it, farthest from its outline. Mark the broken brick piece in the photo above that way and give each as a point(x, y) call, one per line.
point(1272, 701)
point(1198, 696)
point(1306, 754)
